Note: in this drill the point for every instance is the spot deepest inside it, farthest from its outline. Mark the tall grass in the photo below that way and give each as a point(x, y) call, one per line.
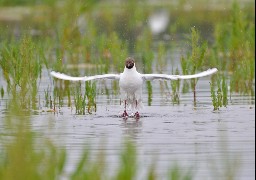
point(85, 100)
point(22, 65)
point(234, 49)
point(194, 60)
point(219, 97)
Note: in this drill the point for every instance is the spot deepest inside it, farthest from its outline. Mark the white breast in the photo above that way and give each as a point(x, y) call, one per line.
point(130, 81)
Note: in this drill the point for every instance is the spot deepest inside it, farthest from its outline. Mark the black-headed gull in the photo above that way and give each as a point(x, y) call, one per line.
point(130, 83)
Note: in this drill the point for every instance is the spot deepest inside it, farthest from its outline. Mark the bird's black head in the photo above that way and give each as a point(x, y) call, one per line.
point(129, 63)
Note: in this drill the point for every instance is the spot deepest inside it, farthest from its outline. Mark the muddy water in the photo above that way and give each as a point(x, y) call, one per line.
point(199, 140)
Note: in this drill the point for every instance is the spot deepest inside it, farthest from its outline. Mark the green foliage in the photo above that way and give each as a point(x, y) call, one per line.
point(2, 92)
point(195, 60)
point(85, 100)
point(21, 67)
point(175, 86)
point(175, 173)
point(128, 167)
point(90, 92)
point(219, 97)
point(20, 157)
point(234, 49)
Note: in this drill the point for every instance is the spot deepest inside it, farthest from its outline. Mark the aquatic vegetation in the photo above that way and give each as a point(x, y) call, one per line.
point(175, 86)
point(175, 173)
point(2, 92)
point(234, 49)
point(90, 92)
point(145, 53)
point(85, 101)
point(21, 67)
point(219, 97)
point(20, 157)
point(79, 100)
point(194, 60)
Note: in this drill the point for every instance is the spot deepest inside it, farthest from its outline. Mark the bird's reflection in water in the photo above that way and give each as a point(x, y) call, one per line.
point(131, 127)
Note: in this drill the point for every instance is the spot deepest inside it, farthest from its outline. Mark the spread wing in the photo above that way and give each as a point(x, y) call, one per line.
point(85, 78)
point(176, 77)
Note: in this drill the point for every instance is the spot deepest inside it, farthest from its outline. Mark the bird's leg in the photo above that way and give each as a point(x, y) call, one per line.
point(137, 115)
point(125, 114)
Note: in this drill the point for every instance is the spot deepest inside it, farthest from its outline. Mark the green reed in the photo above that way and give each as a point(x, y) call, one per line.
point(90, 92)
point(85, 100)
point(175, 86)
point(2, 92)
point(79, 100)
point(194, 60)
point(146, 55)
point(234, 49)
point(220, 96)
point(21, 66)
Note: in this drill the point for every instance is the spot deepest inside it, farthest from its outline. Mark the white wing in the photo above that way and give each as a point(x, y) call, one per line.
point(158, 76)
point(176, 77)
point(85, 78)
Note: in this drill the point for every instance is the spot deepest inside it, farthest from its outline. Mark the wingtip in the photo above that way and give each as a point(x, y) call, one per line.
point(214, 70)
point(53, 73)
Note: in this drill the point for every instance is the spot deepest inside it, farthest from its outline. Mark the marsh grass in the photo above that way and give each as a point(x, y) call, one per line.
point(2, 92)
point(21, 67)
point(220, 96)
point(234, 49)
point(79, 100)
point(85, 100)
point(145, 53)
point(47, 97)
point(175, 86)
point(194, 60)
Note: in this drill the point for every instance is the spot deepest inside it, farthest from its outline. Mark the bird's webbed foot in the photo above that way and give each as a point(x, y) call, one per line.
point(137, 115)
point(125, 114)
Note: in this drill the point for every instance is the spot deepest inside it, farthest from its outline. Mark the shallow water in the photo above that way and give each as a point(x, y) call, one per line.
point(197, 138)
point(192, 137)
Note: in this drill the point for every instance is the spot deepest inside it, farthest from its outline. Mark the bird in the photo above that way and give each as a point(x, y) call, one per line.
point(131, 82)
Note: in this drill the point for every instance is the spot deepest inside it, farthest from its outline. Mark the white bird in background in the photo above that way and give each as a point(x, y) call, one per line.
point(130, 83)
